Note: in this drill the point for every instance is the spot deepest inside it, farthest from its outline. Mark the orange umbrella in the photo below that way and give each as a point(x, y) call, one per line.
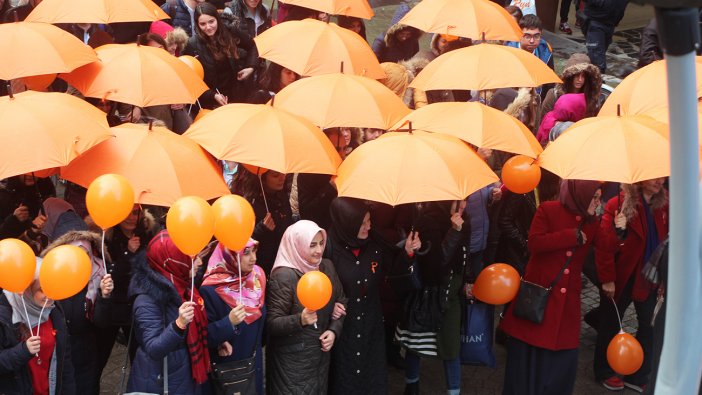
point(334, 100)
point(400, 167)
point(44, 130)
point(357, 8)
point(312, 47)
point(476, 19)
point(138, 75)
point(477, 124)
point(484, 66)
point(31, 49)
point(96, 11)
point(160, 165)
point(624, 149)
point(267, 137)
point(645, 89)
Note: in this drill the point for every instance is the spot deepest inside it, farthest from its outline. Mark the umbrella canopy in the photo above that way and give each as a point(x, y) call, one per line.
point(400, 167)
point(475, 123)
point(484, 66)
point(31, 49)
point(335, 100)
point(45, 130)
point(267, 137)
point(311, 47)
point(160, 165)
point(645, 89)
point(139, 75)
point(624, 149)
point(96, 11)
point(475, 19)
point(357, 8)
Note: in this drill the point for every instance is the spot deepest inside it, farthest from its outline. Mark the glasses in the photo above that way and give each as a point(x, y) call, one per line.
point(532, 37)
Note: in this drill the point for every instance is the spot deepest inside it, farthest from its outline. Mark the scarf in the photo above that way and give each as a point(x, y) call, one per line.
point(36, 316)
point(294, 250)
point(223, 273)
point(576, 195)
point(166, 259)
point(54, 208)
point(347, 217)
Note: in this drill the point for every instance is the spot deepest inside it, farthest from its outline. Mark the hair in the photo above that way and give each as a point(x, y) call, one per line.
point(515, 11)
point(298, 13)
point(144, 39)
point(179, 37)
point(246, 184)
point(270, 80)
point(222, 44)
point(347, 21)
point(530, 21)
point(590, 90)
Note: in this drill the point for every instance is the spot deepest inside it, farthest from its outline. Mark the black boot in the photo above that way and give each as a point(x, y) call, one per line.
point(412, 388)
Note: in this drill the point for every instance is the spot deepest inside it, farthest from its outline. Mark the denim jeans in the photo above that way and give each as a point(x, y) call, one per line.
point(452, 372)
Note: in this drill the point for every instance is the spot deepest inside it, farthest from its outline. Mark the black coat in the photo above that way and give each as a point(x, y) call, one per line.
point(14, 372)
point(314, 196)
point(514, 221)
point(279, 206)
point(12, 194)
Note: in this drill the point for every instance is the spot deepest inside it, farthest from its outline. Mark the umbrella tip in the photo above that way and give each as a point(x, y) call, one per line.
point(342, 67)
point(151, 124)
point(272, 101)
point(410, 127)
point(9, 91)
point(619, 110)
point(483, 36)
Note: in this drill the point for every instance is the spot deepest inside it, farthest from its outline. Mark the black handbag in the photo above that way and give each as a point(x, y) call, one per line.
point(424, 310)
point(530, 303)
point(406, 282)
point(235, 377)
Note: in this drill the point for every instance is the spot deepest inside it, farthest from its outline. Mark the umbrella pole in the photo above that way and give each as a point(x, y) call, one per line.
point(263, 192)
point(41, 198)
point(680, 369)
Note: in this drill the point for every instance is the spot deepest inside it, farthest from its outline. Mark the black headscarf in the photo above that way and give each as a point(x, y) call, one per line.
point(346, 218)
point(576, 195)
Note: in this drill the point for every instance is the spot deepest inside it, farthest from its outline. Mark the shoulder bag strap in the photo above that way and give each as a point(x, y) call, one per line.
point(567, 262)
point(126, 357)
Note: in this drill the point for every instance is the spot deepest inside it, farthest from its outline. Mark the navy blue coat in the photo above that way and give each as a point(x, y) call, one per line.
point(180, 16)
point(245, 338)
point(14, 357)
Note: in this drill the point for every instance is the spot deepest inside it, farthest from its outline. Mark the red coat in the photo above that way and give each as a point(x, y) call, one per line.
point(551, 237)
point(629, 262)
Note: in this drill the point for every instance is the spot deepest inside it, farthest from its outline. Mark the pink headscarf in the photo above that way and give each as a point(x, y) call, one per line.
point(294, 250)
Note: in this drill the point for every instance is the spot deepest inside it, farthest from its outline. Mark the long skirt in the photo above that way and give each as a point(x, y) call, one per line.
point(537, 371)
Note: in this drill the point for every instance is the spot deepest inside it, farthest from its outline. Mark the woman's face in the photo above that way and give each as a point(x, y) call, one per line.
point(346, 135)
point(130, 223)
point(579, 81)
point(172, 48)
point(287, 77)
point(248, 259)
point(652, 187)
point(208, 24)
point(316, 249)
point(365, 227)
point(442, 45)
point(356, 27)
point(372, 134)
point(403, 35)
point(274, 181)
point(252, 4)
point(595, 202)
point(38, 296)
point(154, 44)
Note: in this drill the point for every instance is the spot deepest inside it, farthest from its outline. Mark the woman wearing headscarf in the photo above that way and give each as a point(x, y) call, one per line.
point(358, 364)
point(83, 311)
point(300, 339)
point(169, 329)
point(35, 355)
point(543, 358)
point(235, 288)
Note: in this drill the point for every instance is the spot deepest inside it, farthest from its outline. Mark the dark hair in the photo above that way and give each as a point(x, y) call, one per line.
point(270, 80)
point(515, 12)
point(246, 184)
point(298, 13)
point(347, 21)
point(222, 44)
point(531, 21)
point(144, 39)
point(591, 89)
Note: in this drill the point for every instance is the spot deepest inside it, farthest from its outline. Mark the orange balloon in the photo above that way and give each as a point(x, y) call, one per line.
point(497, 284)
point(234, 221)
point(255, 169)
point(314, 290)
point(521, 174)
point(64, 272)
point(194, 64)
point(190, 223)
point(39, 82)
point(625, 354)
point(201, 113)
point(110, 199)
point(17, 265)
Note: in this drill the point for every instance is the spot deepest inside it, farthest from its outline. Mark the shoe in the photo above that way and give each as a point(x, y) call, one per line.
point(565, 28)
point(412, 388)
point(613, 383)
point(638, 388)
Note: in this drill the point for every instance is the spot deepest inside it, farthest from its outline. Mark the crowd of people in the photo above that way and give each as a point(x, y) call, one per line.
point(243, 306)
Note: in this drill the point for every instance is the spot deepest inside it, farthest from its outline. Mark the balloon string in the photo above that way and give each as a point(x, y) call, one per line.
point(42, 313)
point(102, 248)
point(26, 314)
point(265, 201)
point(241, 291)
point(618, 316)
point(192, 278)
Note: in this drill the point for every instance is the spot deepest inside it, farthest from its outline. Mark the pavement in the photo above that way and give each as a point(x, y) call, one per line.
point(482, 380)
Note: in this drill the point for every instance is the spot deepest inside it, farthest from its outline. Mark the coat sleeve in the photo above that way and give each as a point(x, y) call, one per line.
point(14, 358)
point(336, 325)
point(219, 329)
point(281, 293)
point(607, 245)
point(193, 49)
point(506, 220)
point(541, 239)
point(158, 337)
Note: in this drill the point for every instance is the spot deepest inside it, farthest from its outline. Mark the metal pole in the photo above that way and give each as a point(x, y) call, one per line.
point(681, 359)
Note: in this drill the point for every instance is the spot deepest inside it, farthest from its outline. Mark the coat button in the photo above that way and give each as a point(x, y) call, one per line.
point(578, 218)
point(563, 290)
point(358, 282)
point(358, 336)
point(566, 271)
point(569, 253)
point(358, 354)
point(358, 299)
point(358, 318)
point(358, 371)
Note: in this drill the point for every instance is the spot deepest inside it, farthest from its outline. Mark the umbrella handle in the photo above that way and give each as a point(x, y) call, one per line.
point(263, 192)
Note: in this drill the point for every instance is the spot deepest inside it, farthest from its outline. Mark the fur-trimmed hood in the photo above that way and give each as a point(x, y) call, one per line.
point(145, 281)
point(74, 235)
point(391, 40)
point(632, 200)
point(147, 222)
point(592, 72)
point(520, 103)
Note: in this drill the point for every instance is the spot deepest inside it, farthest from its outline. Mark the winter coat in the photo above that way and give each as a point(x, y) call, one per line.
point(618, 260)
point(314, 195)
point(246, 339)
point(180, 16)
point(552, 236)
point(608, 12)
point(269, 240)
point(592, 78)
point(238, 16)
point(357, 364)
point(296, 363)
point(476, 211)
point(516, 212)
point(650, 49)
point(14, 193)
point(392, 50)
point(15, 377)
point(568, 108)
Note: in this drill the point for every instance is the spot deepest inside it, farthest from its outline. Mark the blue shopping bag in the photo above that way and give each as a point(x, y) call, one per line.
point(477, 324)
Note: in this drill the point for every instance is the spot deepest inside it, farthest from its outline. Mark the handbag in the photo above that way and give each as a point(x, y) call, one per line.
point(236, 377)
point(477, 324)
point(406, 282)
point(530, 303)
